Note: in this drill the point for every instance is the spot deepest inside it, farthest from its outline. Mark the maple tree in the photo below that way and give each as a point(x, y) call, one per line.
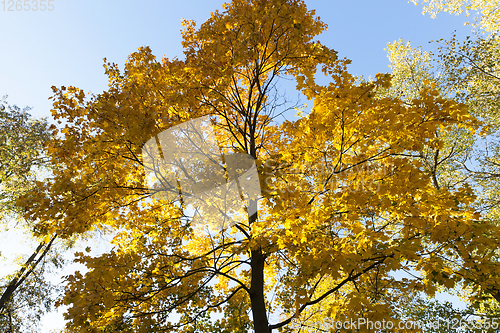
point(346, 199)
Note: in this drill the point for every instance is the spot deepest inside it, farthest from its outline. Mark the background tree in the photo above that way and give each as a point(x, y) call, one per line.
point(480, 317)
point(468, 72)
point(21, 140)
point(486, 15)
point(346, 199)
point(26, 294)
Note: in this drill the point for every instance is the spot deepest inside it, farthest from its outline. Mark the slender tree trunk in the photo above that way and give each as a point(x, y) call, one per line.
point(25, 271)
point(260, 323)
point(257, 261)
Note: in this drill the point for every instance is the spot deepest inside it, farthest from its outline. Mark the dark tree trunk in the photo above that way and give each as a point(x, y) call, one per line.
point(260, 323)
point(257, 300)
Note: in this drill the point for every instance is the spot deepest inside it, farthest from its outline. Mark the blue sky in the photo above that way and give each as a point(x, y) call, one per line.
point(66, 46)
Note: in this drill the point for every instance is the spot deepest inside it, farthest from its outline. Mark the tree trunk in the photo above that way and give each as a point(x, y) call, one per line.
point(259, 313)
point(260, 323)
point(24, 272)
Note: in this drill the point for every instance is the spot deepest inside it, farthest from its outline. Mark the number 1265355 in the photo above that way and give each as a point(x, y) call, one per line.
point(27, 5)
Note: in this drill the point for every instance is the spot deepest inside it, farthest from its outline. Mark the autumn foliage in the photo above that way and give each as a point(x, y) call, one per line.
point(345, 203)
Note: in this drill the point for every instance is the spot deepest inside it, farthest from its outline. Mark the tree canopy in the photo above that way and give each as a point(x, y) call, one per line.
point(346, 197)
